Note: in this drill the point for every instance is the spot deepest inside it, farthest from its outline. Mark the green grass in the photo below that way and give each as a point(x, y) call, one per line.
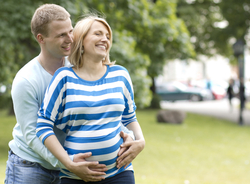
point(203, 150)
point(6, 125)
point(248, 105)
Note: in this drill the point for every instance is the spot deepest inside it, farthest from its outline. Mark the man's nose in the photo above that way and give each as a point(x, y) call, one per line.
point(70, 38)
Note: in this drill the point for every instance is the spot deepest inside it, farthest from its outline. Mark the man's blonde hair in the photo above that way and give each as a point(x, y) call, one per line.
point(44, 15)
point(80, 31)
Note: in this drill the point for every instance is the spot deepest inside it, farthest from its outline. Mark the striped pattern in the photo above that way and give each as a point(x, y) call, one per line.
point(90, 112)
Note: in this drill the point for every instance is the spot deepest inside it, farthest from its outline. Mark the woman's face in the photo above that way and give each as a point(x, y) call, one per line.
point(97, 42)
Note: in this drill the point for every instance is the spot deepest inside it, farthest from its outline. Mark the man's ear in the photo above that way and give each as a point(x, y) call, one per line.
point(39, 38)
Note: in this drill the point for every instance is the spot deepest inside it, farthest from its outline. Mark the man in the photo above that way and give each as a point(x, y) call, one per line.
point(230, 93)
point(29, 160)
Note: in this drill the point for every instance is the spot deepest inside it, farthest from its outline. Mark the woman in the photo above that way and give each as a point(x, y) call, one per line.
point(89, 102)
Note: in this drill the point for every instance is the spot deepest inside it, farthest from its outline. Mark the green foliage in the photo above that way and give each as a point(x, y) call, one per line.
point(238, 17)
point(158, 32)
point(123, 52)
point(199, 17)
point(16, 43)
point(203, 17)
point(146, 35)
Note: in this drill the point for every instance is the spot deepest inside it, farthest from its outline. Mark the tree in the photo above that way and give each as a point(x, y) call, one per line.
point(161, 34)
point(238, 18)
point(16, 42)
point(123, 49)
point(147, 34)
point(204, 18)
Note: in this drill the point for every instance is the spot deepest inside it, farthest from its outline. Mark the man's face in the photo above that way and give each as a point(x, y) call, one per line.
point(59, 39)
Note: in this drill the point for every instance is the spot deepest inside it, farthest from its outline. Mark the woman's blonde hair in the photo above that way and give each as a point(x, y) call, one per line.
point(80, 31)
point(44, 15)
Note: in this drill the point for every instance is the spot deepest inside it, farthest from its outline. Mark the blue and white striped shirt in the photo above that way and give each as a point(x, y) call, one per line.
point(90, 112)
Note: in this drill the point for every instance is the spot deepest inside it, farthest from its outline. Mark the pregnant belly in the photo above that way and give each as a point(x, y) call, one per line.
point(104, 149)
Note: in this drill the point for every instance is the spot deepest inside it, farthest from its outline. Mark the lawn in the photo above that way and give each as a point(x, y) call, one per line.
point(203, 150)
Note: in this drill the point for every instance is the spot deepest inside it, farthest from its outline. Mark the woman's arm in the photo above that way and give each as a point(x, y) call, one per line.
point(136, 128)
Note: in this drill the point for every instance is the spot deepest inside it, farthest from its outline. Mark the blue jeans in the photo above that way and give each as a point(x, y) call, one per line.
point(125, 177)
point(20, 171)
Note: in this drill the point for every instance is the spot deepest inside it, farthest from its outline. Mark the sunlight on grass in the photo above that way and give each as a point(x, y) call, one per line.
point(248, 105)
point(203, 150)
point(6, 125)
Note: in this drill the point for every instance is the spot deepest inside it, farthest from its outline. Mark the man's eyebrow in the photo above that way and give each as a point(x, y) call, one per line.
point(62, 33)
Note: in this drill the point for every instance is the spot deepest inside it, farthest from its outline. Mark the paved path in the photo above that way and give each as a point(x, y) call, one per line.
point(215, 108)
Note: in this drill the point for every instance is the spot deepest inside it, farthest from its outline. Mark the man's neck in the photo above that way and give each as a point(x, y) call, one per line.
point(50, 64)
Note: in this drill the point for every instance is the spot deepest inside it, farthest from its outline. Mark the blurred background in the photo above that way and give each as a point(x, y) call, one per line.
point(181, 55)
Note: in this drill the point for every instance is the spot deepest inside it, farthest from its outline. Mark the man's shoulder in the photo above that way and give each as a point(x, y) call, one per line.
point(31, 74)
point(29, 69)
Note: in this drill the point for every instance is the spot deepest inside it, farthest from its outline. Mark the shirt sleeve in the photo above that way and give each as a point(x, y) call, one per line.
point(129, 114)
point(26, 106)
point(48, 112)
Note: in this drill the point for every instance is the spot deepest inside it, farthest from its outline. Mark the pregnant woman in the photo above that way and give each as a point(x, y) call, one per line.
point(89, 101)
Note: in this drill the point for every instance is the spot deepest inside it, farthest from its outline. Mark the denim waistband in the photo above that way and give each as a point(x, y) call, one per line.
point(20, 160)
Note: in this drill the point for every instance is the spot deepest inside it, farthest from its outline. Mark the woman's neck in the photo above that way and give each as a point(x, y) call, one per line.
point(91, 71)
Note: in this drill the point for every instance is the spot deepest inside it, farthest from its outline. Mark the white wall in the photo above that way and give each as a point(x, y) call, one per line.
point(216, 68)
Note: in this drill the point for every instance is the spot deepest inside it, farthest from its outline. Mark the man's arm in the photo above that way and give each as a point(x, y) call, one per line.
point(26, 106)
point(127, 131)
point(81, 169)
point(130, 148)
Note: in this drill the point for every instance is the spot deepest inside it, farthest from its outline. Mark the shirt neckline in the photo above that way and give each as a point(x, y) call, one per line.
point(106, 73)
